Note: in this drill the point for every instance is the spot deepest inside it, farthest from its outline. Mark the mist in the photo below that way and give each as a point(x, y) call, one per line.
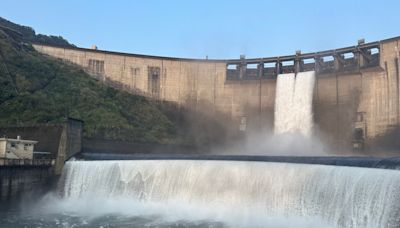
point(163, 214)
point(268, 143)
point(168, 193)
point(293, 122)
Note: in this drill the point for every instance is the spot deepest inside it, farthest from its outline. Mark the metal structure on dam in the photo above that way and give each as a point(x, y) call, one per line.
point(356, 94)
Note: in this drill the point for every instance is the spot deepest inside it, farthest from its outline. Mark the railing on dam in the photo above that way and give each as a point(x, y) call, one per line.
point(26, 162)
point(352, 59)
point(346, 59)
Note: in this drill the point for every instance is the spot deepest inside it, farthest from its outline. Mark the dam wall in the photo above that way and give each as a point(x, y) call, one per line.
point(21, 180)
point(356, 95)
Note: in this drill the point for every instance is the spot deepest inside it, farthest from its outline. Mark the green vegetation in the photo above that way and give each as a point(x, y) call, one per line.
point(38, 89)
point(28, 35)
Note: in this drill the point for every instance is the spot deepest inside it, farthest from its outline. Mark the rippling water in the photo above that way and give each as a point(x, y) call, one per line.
point(55, 212)
point(16, 220)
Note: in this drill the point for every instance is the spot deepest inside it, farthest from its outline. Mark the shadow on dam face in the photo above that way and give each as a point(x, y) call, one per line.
point(353, 161)
point(388, 141)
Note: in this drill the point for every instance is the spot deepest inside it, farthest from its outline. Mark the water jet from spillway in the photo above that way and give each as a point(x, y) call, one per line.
point(293, 103)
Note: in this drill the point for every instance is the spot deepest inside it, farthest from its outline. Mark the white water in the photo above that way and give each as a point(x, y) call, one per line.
point(284, 120)
point(293, 103)
point(241, 194)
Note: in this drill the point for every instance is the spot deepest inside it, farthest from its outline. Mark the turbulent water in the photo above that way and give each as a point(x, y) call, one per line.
point(181, 193)
point(206, 193)
point(293, 103)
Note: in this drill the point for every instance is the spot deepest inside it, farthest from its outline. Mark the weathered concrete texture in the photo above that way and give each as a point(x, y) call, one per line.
point(121, 147)
point(19, 181)
point(365, 98)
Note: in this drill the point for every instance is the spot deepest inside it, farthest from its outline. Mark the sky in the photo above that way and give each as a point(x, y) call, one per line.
point(219, 29)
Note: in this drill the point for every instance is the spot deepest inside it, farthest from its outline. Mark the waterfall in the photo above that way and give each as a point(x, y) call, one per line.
point(284, 121)
point(338, 196)
point(293, 103)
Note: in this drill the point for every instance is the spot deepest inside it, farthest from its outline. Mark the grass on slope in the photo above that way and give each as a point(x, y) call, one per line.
point(37, 89)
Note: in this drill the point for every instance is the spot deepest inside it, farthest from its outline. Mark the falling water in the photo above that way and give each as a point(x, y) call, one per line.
point(234, 191)
point(293, 103)
point(284, 120)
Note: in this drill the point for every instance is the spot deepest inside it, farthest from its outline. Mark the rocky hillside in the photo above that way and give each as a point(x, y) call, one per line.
point(38, 89)
point(28, 35)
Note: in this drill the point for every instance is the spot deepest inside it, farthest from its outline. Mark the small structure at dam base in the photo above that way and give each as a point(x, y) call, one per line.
point(16, 148)
point(24, 171)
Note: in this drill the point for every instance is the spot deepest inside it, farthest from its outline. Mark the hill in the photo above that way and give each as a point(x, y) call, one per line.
point(28, 35)
point(38, 89)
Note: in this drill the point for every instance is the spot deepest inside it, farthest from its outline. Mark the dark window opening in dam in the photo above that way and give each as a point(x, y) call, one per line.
point(252, 71)
point(358, 134)
point(96, 66)
point(288, 67)
point(154, 81)
point(135, 71)
point(308, 64)
point(269, 70)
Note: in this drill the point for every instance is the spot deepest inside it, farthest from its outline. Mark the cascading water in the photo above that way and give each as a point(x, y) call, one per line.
point(293, 103)
point(207, 193)
point(242, 193)
point(283, 103)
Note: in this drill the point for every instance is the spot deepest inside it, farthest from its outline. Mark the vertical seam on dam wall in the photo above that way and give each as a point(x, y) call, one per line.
point(360, 103)
point(260, 99)
point(196, 85)
point(338, 138)
point(179, 84)
point(397, 81)
point(162, 87)
point(123, 69)
point(214, 85)
point(387, 91)
point(397, 88)
point(105, 67)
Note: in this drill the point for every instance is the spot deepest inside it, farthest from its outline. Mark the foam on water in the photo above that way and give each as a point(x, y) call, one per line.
point(236, 193)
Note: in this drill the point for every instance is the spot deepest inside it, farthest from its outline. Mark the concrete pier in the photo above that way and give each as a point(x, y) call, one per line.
point(20, 178)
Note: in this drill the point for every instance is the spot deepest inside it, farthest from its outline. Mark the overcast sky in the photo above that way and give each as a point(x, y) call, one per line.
point(217, 28)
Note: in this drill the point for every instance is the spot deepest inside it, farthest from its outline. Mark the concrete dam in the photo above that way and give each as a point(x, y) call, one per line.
point(342, 95)
point(355, 95)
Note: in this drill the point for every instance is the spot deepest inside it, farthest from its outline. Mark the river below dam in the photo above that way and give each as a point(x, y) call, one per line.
point(206, 193)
